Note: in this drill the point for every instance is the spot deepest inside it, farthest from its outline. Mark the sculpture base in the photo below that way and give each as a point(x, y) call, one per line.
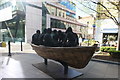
point(56, 71)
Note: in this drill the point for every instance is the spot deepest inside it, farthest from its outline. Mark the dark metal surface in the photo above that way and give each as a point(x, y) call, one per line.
point(56, 71)
point(21, 46)
point(45, 61)
point(9, 49)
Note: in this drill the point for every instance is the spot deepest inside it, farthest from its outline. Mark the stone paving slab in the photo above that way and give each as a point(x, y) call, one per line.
point(16, 47)
point(20, 66)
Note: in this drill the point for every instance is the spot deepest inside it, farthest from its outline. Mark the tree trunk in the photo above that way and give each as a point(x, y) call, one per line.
point(118, 48)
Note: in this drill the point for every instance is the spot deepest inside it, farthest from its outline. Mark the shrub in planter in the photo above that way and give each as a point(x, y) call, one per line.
point(114, 54)
point(91, 42)
point(107, 48)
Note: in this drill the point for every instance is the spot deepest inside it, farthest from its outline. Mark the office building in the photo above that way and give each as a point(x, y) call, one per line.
point(27, 17)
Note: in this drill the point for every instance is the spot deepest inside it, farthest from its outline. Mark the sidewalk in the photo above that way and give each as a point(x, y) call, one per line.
point(20, 66)
point(16, 47)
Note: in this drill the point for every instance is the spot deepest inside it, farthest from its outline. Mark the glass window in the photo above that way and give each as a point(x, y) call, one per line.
point(52, 13)
point(59, 13)
point(53, 10)
point(63, 15)
point(14, 33)
point(5, 5)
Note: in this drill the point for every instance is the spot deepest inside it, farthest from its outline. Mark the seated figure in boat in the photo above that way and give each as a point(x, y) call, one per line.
point(71, 39)
point(47, 39)
point(61, 38)
point(36, 38)
point(55, 38)
point(42, 36)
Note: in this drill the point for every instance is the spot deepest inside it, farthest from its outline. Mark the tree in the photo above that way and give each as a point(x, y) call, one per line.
point(105, 7)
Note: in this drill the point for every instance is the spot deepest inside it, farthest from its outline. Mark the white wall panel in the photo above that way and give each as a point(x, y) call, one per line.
point(6, 14)
point(33, 22)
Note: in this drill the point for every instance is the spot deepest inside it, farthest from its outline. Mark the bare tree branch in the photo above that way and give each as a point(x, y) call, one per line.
point(88, 7)
point(112, 17)
point(98, 3)
point(112, 3)
point(109, 15)
point(117, 5)
point(82, 10)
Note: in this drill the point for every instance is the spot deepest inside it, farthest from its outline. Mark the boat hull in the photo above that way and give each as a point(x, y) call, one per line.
point(77, 57)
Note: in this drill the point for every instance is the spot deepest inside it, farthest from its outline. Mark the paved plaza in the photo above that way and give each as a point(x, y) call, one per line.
point(19, 65)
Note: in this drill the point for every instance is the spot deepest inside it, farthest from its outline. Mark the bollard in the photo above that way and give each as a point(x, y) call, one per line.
point(45, 61)
point(9, 49)
point(21, 46)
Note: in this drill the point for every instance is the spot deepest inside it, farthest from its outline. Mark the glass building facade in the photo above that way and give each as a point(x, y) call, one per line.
point(13, 29)
point(62, 16)
point(54, 9)
point(58, 24)
point(69, 5)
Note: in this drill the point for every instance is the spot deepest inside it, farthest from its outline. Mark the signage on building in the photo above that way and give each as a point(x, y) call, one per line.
point(110, 30)
point(94, 25)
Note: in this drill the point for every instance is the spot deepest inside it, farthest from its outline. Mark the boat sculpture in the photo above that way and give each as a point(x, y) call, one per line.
point(76, 57)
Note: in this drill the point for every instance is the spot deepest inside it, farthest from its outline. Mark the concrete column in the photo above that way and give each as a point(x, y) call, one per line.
point(98, 34)
point(48, 21)
point(0, 31)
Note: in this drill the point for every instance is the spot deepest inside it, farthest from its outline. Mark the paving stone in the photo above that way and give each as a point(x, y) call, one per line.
point(20, 66)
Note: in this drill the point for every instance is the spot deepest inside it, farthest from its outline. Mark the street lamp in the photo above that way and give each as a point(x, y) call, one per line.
point(88, 35)
point(94, 25)
point(94, 30)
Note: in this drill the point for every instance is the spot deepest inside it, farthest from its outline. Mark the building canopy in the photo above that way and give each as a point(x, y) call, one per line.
point(110, 30)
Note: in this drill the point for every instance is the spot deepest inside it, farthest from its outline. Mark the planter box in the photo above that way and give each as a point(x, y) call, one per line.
point(2, 44)
point(115, 54)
